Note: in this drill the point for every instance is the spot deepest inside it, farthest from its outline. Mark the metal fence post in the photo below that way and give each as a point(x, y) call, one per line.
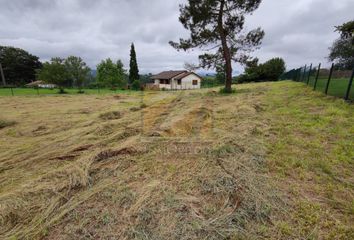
point(12, 91)
point(308, 77)
point(349, 86)
point(317, 75)
point(329, 78)
point(303, 75)
point(298, 76)
point(295, 75)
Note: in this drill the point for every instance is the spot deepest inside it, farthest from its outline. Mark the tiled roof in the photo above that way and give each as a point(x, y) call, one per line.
point(168, 74)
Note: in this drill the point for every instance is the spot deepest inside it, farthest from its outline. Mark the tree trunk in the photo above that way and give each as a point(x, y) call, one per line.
point(228, 69)
point(226, 50)
point(2, 75)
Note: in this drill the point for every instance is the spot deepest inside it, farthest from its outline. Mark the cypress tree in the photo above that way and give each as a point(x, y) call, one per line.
point(134, 70)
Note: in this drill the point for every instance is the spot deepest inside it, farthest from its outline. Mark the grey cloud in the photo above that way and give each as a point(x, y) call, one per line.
point(299, 31)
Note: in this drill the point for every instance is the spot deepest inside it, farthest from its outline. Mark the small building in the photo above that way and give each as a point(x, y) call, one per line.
point(177, 80)
point(41, 84)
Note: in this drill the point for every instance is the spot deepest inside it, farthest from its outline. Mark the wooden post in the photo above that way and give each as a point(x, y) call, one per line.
point(308, 77)
point(2, 76)
point(329, 78)
point(317, 75)
point(349, 86)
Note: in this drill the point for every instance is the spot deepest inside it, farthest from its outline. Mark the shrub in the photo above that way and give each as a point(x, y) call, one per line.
point(268, 71)
point(135, 85)
point(224, 91)
point(62, 91)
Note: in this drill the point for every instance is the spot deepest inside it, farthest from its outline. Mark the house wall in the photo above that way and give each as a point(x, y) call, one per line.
point(186, 83)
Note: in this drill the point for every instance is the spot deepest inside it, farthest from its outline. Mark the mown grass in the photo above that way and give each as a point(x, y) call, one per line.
point(311, 154)
point(271, 161)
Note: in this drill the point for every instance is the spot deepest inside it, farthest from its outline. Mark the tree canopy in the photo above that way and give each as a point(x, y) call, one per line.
point(217, 27)
point(19, 66)
point(55, 72)
point(133, 65)
point(111, 74)
point(342, 50)
point(78, 71)
point(271, 70)
point(69, 72)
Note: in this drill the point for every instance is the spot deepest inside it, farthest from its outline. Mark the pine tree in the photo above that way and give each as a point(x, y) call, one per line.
point(218, 25)
point(134, 70)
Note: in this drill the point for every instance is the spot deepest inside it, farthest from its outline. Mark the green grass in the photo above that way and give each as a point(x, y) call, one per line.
point(33, 92)
point(337, 87)
point(311, 154)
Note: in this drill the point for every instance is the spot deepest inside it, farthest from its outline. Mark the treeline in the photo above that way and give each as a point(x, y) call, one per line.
point(271, 70)
point(20, 68)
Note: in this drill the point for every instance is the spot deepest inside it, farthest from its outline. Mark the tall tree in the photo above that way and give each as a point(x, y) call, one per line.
point(78, 71)
point(19, 66)
point(342, 50)
point(111, 74)
point(218, 24)
point(55, 72)
point(133, 65)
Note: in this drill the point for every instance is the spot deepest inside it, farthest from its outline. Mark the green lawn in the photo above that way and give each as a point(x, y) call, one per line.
point(31, 91)
point(337, 87)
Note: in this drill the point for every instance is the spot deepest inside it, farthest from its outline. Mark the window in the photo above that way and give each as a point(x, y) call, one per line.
point(179, 82)
point(195, 82)
point(164, 81)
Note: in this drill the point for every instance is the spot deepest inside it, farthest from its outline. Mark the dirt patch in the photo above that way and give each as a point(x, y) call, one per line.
point(135, 109)
point(118, 97)
point(83, 148)
point(111, 115)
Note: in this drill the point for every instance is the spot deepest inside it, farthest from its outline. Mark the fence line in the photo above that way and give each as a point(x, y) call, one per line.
point(338, 83)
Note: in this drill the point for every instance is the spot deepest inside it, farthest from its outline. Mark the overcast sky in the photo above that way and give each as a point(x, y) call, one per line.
point(300, 31)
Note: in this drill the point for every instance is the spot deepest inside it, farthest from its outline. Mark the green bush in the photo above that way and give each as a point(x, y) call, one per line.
point(224, 91)
point(268, 71)
point(136, 85)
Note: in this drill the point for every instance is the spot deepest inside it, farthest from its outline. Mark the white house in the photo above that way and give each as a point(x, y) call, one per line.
point(177, 80)
point(41, 84)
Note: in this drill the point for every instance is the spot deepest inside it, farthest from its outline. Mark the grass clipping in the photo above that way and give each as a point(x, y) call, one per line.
point(6, 123)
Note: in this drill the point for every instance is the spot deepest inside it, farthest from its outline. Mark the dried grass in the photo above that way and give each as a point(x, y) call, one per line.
point(6, 123)
point(118, 185)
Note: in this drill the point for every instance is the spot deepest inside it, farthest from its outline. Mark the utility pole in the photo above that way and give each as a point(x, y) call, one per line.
point(2, 76)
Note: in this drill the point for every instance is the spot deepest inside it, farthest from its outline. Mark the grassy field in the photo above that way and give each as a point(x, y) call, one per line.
point(337, 87)
point(34, 92)
point(273, 161)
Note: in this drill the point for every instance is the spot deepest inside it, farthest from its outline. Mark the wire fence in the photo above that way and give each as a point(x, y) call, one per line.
point(331, 81)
